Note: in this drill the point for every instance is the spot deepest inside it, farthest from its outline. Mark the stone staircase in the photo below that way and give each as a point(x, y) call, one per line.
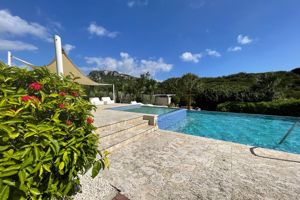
point(113, 136)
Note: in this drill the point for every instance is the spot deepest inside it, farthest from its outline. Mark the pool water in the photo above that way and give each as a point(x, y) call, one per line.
point(255, 130)
point(145, 109)
point(267, 131)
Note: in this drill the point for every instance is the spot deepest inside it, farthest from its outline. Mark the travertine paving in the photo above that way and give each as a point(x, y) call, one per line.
point(104, 115)
point(167, 165)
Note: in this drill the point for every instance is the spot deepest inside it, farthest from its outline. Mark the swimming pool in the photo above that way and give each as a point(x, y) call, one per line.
point(274, 132)
point(267, 131)
point(145, 109)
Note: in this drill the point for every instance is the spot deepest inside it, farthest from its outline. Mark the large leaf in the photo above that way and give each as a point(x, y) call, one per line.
point(8, 173)
point(4, 193)
point(96, 169)
point(22, 176)
point(34, 191)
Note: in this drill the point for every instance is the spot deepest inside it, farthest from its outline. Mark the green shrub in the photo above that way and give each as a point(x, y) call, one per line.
point(175, 100)
point(46, 135)
point(288, 107)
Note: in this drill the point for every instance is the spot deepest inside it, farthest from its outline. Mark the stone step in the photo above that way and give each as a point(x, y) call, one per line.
point(118, 130)
point(113, 126)
point(125, 137)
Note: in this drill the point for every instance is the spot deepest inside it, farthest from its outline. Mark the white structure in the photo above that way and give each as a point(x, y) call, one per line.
point(163, 99)
point(58, 54)
point(63, 65)
point(135, 103)
point(9, 58)
point(107, 100)
point(96, 101)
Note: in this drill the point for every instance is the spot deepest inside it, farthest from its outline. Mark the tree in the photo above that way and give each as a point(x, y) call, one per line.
point(151, 88)
point(265, 87)
point(189, 84)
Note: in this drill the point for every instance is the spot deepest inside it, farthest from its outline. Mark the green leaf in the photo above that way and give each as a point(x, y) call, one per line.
point(55, 117)
point(8, 130)
point(106, 162)
point(41, 172)
point(75, 157)
point(34, 191)
point(29, 134)
point(65, 156)
point(27, 161)
point(14, 167)
point(8, 173)
point(68, 188)
point(14, 121)
point(3, 148)
point(10, 162)
point(9, 182)
point(47, 168)
point(22, 176)
point(9, 153)
point(36, 153)
point(13, 135)
point(43, 95)
point(96, 169)
point(56, 145)
point(37, 167)
point(4, 193)
point(61, 166)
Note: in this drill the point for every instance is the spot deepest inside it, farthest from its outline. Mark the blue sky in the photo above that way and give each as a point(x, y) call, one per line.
point(166, 37)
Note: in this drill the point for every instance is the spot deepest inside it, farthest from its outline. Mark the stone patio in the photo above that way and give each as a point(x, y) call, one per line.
point(169, 165)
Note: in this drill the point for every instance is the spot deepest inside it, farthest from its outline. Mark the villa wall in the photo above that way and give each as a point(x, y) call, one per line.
point(164, 101)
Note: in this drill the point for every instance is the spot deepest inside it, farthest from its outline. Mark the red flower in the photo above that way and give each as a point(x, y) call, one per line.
point(75, 94)
point(69, 122)
point(62, 94)
point(35, 86)
point(34, 99)
point(25, 98)
point(61, 105)
point(89, 120)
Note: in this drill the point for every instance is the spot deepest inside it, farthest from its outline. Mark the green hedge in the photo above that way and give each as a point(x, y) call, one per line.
point(289, 107)
point(46, 135)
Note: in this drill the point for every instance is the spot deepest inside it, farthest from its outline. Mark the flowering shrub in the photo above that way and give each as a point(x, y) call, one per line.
point(46, 135)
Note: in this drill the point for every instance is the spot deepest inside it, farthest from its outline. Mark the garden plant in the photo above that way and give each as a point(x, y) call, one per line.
point(46, 135)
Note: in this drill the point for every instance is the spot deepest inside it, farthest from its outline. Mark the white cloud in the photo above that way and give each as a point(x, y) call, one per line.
point(133, 3)
point(129, 65)
point(234, 49)
point(94, 29)
point(244, 39)
point(68, 48)
point(190, 57)
point(16, 26)
point(16, 45)
point(213, 53)
point(196, 57)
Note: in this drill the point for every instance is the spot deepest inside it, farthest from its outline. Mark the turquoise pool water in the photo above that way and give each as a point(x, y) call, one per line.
point(265, 131)
point(256, 130)
point(145, 109)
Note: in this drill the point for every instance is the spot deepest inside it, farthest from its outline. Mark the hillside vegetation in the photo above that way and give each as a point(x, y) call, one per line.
point(206, 92)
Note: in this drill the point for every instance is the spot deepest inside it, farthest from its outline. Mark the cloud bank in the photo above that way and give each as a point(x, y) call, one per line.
point(128, 64)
